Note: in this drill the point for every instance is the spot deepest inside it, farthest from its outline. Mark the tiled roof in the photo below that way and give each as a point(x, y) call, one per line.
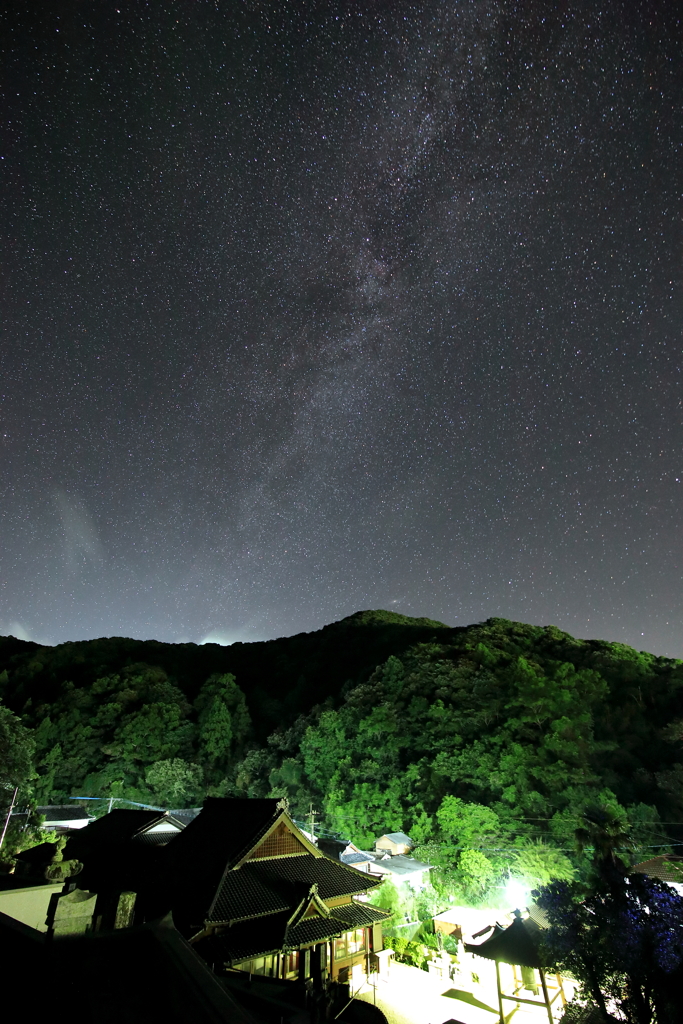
point(260, 937)
point(313, 929)
point(360, 915)
point(155, 838)
point(244, 941)
point(666, 868)
point(265, 887)
point(538, 916)
point(249, 893)
point(185, 814)
point(333, 877)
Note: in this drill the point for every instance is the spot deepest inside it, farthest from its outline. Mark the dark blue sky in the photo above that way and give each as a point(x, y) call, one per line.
point(316, 307)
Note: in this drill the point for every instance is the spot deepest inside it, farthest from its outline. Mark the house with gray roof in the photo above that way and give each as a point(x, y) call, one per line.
point(63, 817)
point(394, 843)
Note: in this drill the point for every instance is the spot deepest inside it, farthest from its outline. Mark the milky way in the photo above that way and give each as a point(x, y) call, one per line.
point(316, 307)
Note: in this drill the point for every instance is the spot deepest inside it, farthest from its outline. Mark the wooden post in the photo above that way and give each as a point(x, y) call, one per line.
point(500, 995)
point(9, 815)
point(545, 995)
point(558, 978)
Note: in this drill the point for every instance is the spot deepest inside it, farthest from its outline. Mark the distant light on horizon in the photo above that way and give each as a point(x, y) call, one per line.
point(217, 638)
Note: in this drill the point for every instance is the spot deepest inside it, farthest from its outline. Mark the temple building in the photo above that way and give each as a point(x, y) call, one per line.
point(270, 902)
point(246, 887)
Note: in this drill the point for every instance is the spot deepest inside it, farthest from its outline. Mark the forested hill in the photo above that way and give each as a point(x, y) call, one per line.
point(497, 733)
point(280, 678)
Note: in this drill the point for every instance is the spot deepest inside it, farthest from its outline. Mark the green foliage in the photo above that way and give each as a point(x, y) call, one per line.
point(467, 824)
point(174, 782)
point(153, 732)
point(388, 898)
point(538, 863)
point(407, 904)
point(427, 903)
point(606, 831)
point(475, 873)
point(252, 774)
point(415, 954)
point(22, 835)
point(16, 752)
point(477, 741)
point(105, 740)
point(223, 720)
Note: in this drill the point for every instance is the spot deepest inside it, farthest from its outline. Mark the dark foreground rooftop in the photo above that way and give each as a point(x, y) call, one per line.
point(136, 975)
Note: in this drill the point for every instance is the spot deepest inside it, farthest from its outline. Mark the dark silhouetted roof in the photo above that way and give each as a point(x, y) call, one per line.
point(119, 826)
point(517, 944)
point(38, 856)
point(224, 831)
point(244, 940)
point(142, 975)
point(122, 826)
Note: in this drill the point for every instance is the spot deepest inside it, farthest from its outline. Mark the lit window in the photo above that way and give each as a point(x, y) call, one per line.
point(349, 944)
point(291, 963)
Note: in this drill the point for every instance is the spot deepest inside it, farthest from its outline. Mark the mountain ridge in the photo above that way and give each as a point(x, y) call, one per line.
point(379, 718)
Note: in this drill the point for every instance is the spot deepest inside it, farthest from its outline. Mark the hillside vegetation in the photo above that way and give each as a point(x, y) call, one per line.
point(478, 741)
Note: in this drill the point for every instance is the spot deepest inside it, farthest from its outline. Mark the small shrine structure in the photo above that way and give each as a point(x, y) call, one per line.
point(517, 945)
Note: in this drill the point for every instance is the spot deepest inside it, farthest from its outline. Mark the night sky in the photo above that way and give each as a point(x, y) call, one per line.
point(310, 307)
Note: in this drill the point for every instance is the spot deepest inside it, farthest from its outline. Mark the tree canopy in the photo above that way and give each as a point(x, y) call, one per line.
point(487, 744)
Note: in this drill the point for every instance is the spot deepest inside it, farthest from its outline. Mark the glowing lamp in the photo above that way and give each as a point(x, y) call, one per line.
point(516, 893)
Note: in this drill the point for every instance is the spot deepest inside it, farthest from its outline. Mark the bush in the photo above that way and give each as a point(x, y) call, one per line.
point(412, 953)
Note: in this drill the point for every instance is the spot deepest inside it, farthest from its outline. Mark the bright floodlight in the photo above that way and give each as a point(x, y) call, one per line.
point(516, 894)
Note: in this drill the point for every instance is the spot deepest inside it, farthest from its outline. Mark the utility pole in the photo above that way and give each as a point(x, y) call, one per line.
point(9, 815)
point(311, 820)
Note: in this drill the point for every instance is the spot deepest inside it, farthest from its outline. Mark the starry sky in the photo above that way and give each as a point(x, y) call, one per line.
point(319, 306)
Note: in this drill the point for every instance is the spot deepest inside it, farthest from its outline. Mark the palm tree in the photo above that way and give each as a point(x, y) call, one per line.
point(608, 834)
